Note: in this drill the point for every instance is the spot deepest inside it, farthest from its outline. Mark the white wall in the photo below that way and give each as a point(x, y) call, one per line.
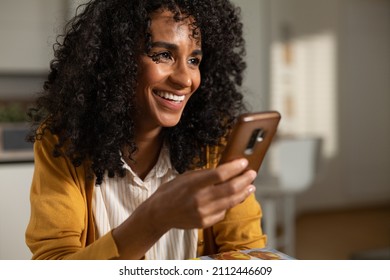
point(27, 32)
point(339, 90)
point(14, 210)
point(255, 16)
point(365, 106)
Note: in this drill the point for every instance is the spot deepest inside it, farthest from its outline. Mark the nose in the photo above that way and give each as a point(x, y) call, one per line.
point(181, 75)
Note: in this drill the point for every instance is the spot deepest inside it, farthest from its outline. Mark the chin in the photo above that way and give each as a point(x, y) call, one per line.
point(169, 124)
point(169, 121)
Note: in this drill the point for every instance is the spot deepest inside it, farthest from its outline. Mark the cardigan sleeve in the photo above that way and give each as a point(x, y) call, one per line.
point(59, 214)
point(241, 228)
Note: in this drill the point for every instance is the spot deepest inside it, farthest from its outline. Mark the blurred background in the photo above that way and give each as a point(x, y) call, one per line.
point(323, 64)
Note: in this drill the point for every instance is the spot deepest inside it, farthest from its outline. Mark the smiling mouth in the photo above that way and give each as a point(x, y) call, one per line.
point(169, 96)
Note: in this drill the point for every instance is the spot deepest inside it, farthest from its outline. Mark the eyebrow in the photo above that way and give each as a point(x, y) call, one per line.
point(173, 47)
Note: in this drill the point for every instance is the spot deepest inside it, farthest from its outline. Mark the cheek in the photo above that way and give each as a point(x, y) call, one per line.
point(196, 81)
point(149, 75)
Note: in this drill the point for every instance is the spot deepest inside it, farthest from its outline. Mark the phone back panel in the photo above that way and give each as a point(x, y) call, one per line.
point(251, 137)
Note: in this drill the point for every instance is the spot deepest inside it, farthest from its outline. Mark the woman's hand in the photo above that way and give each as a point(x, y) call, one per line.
point(196, 199)
point(199, 199)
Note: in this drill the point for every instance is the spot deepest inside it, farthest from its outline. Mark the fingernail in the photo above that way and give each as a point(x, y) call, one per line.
point(253, 174)
point(244, 162)
point(251, 189)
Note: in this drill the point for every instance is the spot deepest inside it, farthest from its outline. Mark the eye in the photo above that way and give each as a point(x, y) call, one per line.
point(161, 57)
point(195, 61)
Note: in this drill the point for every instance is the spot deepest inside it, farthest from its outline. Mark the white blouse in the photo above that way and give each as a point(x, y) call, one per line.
point(116, 199)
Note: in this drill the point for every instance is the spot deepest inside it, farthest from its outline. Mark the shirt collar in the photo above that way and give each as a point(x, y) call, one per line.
point(162, 167)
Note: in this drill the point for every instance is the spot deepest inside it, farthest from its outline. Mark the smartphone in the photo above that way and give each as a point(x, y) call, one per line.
point(251, 137)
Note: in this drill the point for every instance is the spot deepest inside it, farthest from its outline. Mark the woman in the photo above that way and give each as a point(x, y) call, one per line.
point(128, 132)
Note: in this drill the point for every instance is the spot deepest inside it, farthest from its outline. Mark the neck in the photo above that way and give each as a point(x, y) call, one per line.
point(149, 146)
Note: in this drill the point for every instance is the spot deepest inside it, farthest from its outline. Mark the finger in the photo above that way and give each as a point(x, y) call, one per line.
point(231, 169)
point(226, 203)
point(218, 175)
point(228, 188)
point(216, 211)
point(213, 219)
point(227, 195)
point(236, 184)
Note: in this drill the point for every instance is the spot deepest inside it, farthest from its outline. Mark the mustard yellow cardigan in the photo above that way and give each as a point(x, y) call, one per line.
point(61, 225)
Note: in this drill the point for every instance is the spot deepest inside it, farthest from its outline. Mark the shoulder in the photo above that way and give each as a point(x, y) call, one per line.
point(48, 151)
point(213, 154)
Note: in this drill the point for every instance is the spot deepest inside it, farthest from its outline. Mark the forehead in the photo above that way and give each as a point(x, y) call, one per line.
point(165, 27)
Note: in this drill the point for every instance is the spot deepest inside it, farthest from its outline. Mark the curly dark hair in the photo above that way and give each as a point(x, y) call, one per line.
point(88, 98)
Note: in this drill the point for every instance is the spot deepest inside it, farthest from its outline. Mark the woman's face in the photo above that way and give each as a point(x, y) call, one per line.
point(169, 74)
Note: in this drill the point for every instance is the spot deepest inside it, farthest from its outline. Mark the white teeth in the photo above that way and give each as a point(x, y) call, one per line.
point(170, 96)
